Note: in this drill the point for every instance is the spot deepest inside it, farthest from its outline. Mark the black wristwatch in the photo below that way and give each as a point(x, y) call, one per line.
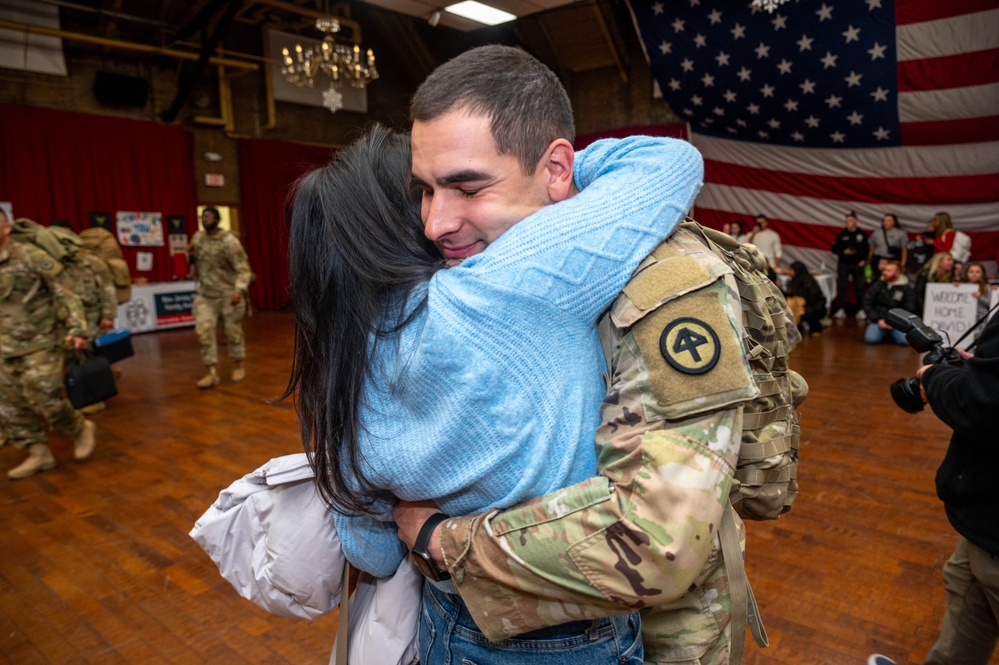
point(424, 562)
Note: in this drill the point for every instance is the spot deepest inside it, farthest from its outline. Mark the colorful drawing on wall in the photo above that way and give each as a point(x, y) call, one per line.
point(140, 229)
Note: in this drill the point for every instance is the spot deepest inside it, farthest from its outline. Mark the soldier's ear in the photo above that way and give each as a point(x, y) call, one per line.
point(555, 167)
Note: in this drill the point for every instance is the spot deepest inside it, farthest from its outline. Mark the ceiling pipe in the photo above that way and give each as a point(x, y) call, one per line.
point(128, 46)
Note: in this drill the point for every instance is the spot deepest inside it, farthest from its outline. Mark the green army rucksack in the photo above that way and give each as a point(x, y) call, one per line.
point(60, 246)
point(766, 482)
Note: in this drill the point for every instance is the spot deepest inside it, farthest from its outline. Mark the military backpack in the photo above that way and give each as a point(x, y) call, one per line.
point(103, 243)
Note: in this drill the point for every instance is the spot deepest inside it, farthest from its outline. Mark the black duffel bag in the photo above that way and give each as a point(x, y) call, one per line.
point(89, 379)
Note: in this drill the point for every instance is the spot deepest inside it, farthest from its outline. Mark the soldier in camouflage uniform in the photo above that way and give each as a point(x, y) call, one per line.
point(220, 265)
point(33, 301)
point(644, 534)
point(90, 278)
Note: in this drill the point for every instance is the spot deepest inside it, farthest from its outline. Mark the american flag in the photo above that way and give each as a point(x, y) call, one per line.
point(823, 107)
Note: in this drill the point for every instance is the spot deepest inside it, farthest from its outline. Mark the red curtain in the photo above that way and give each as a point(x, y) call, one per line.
point(63, 165)
point(268, 170)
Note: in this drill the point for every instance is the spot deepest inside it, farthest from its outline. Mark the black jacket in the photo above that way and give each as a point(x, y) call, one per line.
point(967, 399)
point(848, 239)
point(881, 296)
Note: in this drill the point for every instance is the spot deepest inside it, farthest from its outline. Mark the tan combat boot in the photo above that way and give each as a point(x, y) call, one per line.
point(210, 379)
point(238, 371)
point(91, 409)
point(84, 442)
point(39, 459)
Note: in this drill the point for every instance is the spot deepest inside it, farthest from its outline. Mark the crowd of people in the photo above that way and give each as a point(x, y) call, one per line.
point(875, 272)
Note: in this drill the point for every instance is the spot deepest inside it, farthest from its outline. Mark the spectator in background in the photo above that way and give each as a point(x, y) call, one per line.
point(975, 274)
point(852, 249)
point(940, 268)
point(812, 304)
point(947, 239)
point(889, 243)
point(920, 249)
point(891, 291)
point(733, 229)
point(767, 241)
point(738, 232)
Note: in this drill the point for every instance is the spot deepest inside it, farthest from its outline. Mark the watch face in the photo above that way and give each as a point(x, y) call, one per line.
point(425, 566)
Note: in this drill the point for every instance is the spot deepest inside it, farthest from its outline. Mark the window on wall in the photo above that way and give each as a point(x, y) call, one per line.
point(228, 217)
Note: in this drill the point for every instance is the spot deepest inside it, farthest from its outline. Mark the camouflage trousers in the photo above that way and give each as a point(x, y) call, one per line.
point(31, 397)
point(207, 312)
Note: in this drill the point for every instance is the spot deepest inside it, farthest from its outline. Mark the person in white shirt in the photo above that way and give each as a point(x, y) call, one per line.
point(767, 241)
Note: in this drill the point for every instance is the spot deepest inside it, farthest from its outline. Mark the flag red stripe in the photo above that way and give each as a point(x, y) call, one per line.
point(950, 71)
point(984, 244)
point(946, 132)
point(919, 191)
point(917, 11)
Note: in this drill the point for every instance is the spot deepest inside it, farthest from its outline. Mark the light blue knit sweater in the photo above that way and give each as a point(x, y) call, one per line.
point(492, 395)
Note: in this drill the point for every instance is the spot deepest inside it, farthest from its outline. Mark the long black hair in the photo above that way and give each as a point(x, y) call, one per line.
point(802, 284)
point(357, 250)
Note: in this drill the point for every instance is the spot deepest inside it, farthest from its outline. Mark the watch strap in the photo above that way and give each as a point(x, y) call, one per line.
point(423, 540)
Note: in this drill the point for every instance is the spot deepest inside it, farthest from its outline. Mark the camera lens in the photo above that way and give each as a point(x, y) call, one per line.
point(905, 392)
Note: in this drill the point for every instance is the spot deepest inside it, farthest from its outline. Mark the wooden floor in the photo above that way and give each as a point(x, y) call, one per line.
point(96, 565)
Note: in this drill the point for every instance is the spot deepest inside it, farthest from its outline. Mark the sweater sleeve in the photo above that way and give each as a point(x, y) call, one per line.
point(370, 544)
point(578, 254)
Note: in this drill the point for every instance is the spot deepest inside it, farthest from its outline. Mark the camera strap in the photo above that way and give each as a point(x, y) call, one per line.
point(985, 317)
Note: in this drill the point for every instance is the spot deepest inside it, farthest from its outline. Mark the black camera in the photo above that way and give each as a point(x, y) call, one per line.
point(923, 339)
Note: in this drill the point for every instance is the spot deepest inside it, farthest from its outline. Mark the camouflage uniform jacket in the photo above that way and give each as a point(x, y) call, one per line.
point(91, 280)
point(34, 299)
point(220, 264)
point(644, 533)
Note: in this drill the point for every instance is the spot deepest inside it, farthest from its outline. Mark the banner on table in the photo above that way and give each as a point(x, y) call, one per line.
point(140, 229)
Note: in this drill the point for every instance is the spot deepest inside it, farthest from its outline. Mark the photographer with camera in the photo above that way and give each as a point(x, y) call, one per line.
point(966, 398)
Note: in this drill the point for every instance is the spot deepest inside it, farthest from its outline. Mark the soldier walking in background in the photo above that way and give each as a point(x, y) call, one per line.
point(90, 278)
point(219, 263)
point(33, 300)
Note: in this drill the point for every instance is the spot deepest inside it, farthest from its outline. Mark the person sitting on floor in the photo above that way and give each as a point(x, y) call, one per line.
point(891, 291)
point(940, 268)
point(804, 286)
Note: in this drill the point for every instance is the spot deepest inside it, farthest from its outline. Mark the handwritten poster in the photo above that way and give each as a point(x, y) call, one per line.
point(140, 229)
point(950, 310)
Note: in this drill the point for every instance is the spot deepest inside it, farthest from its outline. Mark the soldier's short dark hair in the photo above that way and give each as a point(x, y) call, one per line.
point(61, 223)
point(214, 211)
point(524, 100)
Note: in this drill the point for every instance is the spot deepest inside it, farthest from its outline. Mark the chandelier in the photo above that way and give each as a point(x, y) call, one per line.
point(336, 60)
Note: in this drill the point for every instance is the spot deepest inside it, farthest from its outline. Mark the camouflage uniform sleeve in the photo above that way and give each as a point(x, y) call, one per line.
point(641, 533)
point(240, 264)
point(67, 305)
point(193, 249)
point(106, 294)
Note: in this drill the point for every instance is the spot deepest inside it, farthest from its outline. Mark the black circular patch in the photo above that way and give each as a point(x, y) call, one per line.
point(690, 346)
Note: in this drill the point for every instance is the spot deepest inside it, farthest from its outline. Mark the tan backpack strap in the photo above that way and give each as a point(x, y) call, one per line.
point(604, 330)
point(340, 655)
point(744, 608)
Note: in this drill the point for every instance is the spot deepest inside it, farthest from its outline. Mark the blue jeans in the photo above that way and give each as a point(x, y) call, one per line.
point(875, 335)
point(449, 636)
